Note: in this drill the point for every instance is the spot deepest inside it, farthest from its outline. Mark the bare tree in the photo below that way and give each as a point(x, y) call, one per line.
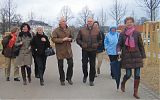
point(17, 19)
point(151, 7)
point(102, 19)
point(118, 11)
point(133, 14)
point(7, 14)
point(10, 12)
point(66, 13)
point(84, 14)
point(3, 16)
point(31, 17)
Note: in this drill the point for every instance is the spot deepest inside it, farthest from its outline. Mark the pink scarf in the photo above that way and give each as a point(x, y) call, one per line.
point(130, 39)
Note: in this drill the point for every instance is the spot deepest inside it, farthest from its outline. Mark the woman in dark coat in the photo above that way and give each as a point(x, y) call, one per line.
point(131, 45)
point(39, 43)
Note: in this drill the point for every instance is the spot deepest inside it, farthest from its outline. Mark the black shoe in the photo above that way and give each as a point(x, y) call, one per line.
point(7, 79)
point(84, 79)
point(42, 83)
point(62, 83)
point(96, 75)
point(24, 82)
point(91, 84)
point(37, 76)
point(70, 82)
point(16, 79)
point(29, 79)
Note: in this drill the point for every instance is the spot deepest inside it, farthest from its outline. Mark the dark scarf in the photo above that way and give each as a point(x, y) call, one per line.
point(21, 34)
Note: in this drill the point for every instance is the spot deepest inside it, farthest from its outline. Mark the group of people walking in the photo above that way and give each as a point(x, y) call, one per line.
point(94, 43)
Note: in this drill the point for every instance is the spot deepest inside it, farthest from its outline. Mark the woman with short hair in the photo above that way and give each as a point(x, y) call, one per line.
point(133, 53)
point(40, 43)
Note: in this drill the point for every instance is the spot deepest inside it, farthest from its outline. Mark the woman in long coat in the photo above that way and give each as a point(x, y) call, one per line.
point(131, 45)
point(24, 59)
point(40, 43)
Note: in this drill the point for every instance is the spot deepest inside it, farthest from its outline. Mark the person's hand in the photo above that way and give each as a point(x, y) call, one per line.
point(21, 43)
point(65, 39)
point(119, 52)
point(29, 47)
point(69, 39)
point(43, 39)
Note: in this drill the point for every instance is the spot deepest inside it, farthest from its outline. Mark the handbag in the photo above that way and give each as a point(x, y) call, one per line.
point(16, 50)
point(49, 51)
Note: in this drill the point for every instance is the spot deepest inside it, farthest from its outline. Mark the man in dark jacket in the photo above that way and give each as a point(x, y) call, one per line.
point(89, 39)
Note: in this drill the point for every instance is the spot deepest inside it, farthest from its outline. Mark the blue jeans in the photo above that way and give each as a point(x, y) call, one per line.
point(129, 73)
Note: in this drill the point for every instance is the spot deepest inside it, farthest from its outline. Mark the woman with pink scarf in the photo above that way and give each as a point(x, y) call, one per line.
point(131, 45)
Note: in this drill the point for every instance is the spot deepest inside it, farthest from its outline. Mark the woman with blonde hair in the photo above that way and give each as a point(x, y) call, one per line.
point(40, 43)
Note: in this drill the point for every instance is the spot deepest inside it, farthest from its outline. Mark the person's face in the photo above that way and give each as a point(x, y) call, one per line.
point(25, 29)
point(17, 32)
point(39, 30)
point(63, 23)
point(90, 22)
point(129, 23)
point(95, 26)
point(113, 30)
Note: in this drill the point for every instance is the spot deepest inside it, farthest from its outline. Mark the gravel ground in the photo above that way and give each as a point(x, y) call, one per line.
point(151, 77)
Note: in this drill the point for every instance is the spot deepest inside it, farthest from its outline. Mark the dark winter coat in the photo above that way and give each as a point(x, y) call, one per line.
point(89, 39)
point(7, 51)
point(39, 46)
point(135, 58)
point(101, 47)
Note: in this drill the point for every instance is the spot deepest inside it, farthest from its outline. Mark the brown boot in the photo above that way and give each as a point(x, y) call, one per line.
point(136, 85)
point(123, 84)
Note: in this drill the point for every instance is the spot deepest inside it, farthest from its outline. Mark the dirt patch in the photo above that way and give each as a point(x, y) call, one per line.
point(151, 77)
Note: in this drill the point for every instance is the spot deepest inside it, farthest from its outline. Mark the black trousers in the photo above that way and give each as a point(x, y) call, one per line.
point(41, 64)
point(69, 69)
point(23, 71)
point(89, 56)
point(35, 66)
point(113, 58)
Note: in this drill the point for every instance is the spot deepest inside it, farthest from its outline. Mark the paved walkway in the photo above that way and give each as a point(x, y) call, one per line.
point(105, 87)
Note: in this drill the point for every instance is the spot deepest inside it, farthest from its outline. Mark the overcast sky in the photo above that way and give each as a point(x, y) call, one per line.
point(48, 10)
